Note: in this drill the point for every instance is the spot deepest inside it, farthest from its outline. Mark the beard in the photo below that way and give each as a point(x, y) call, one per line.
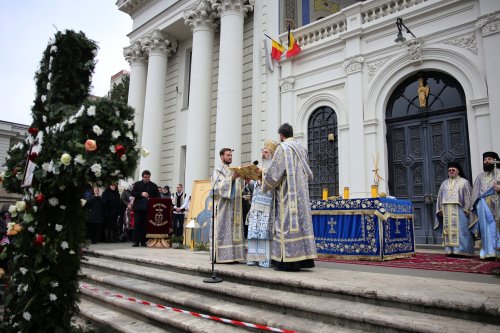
point(488, 167)
point(266, 163)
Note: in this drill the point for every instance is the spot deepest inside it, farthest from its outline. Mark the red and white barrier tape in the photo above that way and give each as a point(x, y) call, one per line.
point(195, 314)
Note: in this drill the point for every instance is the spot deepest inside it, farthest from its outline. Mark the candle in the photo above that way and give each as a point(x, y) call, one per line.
point(325, 193)
point(374, 191)
point(346, 192)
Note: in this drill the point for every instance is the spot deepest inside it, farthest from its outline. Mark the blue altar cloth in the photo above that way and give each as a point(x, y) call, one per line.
point(364, 229)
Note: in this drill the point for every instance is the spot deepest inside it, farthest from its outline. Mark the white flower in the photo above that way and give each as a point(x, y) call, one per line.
point(115, 134)
point(12, 210)
point(31, 229)
point(129, 135)
point(54, 284)
point(94, 52)
point(64, 245)
point(48, 86)
point(59, 227)
point(23, 270)
point(112, 148)
point(18, 145)
point(80, 112)
point(117, 113)
point(83, 202)
point(27, 316)
point(54, 201)
point(20, 206)
point(25, 288)
point(62, 187)
point(144, 152)
point(44, 119)
point(35, 208)
point(72, 119)
point(28, 218)
point(48, 167)
point(52, 297)
point(43, 98)
point(50, 76)
point(53, 48)
point(115, 173)
point(62, 207)
point(71, 252)
point(96, 169)
point(66, 159)
point(79, 159)
point(97, 130)
point(91, 111)
point(129, 123)
point(123, 158)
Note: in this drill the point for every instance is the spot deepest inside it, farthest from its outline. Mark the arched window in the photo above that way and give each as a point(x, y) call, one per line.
point(444, 93)
point(323, 152)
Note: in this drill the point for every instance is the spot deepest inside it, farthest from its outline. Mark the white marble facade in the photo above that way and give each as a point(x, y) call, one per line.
point(199, 79)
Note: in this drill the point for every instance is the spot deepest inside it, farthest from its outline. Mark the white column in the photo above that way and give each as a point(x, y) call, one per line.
point(230, 86)
point(201, 21)
point(158, 48)
point(354, 88)
point(137, 87)
point(489, 25)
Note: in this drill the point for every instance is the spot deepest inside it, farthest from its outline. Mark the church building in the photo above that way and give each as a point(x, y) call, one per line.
point(380, 88)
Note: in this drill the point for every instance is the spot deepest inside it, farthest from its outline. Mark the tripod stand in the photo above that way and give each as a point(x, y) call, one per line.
point(213, 276)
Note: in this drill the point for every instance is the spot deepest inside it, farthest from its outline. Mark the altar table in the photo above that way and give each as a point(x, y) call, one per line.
point(364, 229)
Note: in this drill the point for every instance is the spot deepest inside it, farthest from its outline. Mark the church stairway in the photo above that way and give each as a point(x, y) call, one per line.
point(322, 300)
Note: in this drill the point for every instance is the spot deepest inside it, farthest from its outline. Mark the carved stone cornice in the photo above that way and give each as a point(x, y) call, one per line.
point(467, 41)
point(374, 66)
point(489, 24)
point(286, 84)
point(134, 53)
point(159, 41)
point(242, 6)
point(353, 64)
point(415, 50)
point(201, 14)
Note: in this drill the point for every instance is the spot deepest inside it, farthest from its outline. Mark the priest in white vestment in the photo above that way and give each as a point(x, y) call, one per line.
point(229, 246)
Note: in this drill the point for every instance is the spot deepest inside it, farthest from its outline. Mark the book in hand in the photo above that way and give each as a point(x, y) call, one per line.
point(247, 171)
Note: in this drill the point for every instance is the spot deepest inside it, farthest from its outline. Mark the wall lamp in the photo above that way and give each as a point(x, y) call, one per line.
point(401, 25)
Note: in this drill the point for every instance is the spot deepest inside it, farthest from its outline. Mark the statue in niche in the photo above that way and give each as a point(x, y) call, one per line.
point(423, 93)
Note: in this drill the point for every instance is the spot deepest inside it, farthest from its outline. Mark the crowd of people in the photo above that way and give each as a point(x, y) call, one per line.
point(467, 213)
point(114, 217)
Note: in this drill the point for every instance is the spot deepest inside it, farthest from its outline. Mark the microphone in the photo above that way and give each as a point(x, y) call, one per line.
point(255, 162)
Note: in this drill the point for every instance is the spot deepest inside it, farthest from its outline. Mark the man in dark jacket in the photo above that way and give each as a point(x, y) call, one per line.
point(142, 191)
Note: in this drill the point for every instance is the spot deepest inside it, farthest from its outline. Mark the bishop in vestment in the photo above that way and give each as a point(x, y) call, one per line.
point(485, 215)
point(229, 246)
point(289, 175)
point(452, 209)
point(260, 222)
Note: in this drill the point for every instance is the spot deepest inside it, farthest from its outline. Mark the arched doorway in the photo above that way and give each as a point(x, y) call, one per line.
point(323, 152)
point(421, 140)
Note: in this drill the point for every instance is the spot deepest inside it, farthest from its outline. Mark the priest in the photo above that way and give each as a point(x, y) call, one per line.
point(452, 210)
point(227, 190)
point(288, 175)
point(484, 217)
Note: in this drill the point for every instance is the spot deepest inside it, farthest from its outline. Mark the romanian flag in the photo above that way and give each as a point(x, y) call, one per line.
point(277, 50)
point(293, 46)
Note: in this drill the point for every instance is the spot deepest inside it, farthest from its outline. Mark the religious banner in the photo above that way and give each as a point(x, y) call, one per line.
point(159, 222)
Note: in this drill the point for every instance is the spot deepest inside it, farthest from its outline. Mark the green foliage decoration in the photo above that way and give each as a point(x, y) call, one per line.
point(48, 229)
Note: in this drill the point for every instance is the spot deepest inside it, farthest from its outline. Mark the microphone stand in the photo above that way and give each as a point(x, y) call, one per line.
point(213, 276)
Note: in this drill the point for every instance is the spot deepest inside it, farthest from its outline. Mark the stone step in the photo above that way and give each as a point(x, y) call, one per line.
point(159, 320)
point(457, 299)
point(304, 313)
point(114, 321)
